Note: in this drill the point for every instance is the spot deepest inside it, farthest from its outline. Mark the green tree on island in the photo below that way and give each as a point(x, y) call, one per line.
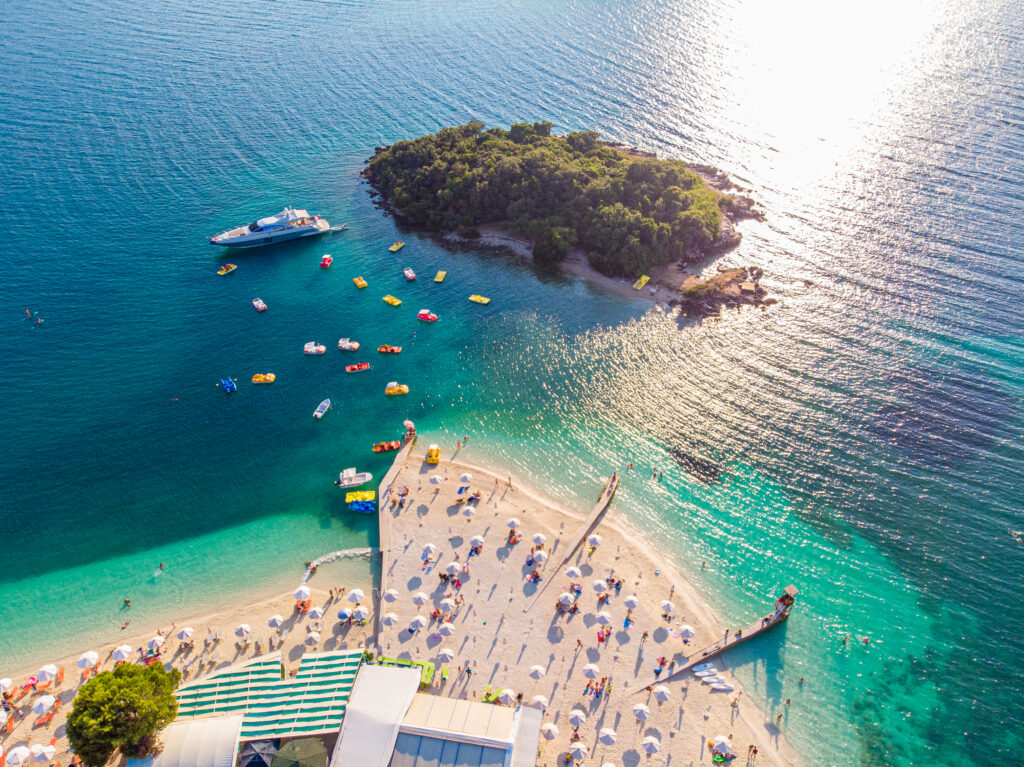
point(122, 709)
point(627, 212)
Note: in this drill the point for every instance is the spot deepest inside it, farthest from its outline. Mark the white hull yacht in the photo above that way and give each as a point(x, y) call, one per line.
point(289, 224)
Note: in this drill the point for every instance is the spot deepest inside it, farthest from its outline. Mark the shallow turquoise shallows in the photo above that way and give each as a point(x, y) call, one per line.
point(868, 427)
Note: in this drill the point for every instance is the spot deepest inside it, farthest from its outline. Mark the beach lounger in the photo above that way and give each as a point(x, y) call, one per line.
point(444, 674)
point(60, 676)
point(10, 724)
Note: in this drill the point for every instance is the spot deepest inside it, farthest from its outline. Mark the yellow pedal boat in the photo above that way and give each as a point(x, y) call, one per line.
point(439, 277)
point(433, 454)
point(639, 284)
point(264, 378)
point(389, 299)
point(397, 246)
point(360, 282)
point(360, 495)
point(394, 388)
point(479, 299)
point(227, 269)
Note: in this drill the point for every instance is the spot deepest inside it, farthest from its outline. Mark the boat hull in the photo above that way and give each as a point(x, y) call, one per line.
point(269, 238)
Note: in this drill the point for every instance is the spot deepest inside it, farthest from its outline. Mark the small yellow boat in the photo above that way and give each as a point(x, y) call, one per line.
point(433, 454)
point(360, 495)
point(264, 378)
point(439, 277)
point(639, 284)
point(389, 299)
point(360, 282)
point(227, 269)
point(397, 246)
point(394, 388)
point(479, 299)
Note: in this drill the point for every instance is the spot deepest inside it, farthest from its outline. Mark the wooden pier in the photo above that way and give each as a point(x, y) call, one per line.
point(552, 570)
point(784, 605)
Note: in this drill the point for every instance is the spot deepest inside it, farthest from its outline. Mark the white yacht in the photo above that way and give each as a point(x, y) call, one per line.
point(289, 224)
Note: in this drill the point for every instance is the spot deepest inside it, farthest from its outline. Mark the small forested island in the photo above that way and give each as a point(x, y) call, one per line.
point(627, 213)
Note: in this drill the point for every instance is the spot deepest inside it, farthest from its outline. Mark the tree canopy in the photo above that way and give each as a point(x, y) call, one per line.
point(628, 213)
point(123, 708)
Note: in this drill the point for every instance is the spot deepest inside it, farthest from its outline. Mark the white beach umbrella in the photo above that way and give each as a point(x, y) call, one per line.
point(722, 744)
point(446, 654)
point(573, 572)
point(302, 592)
point(123, 652)
point(599, 586)
point(389, 619)
point(448, 604)
point(453, 567)
point(539, 701)
point(46, 673)
point(419, 598)
point(275, 621)
point(507, 695)
point(537, 672)
point(662, 693)
point(242, 630)
point(591, 671)
point(513, 523)
point(476, 540)
point(429, 549)
point(539, 538)
point(607, 736)
point(604, 617)
point(577, 717)
point(436, 479)
point(355, 596)
point(316, 613)
point(594, 539)
point(578, 751)
point(468, 511)
point(391, 595)
point(313, 638)
point(540, 557)
point(641, 712)
point(6, 684)
point(155, 643)
point(185, 634)
point(667, 606)
point(566, 598)
point(360, 613)
point(446, 630)
point(345, 613)
point(88, 659)
point(632, 601)
point(466, 478)
point(651, 745)
point(686, 631)
point(43, 704)
point(550, 730)
point(417, 623)
point(41, 753)
point(19, 755)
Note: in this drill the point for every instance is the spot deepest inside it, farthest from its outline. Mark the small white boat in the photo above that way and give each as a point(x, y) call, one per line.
point(703, 667)
point(314, 348)
point(706, 672)
point(351, 478)
point(713, 679)
point(322, 408)
point(722, 687)
point(286, 225)
point(348, 345)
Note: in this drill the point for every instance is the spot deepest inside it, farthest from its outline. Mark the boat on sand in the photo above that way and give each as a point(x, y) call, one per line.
point(434, 454)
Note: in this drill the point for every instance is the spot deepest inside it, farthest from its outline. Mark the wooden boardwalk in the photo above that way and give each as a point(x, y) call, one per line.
point(553, 569)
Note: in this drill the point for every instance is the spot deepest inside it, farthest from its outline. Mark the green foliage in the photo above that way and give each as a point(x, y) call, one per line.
point(628, 213)
point(124, 708)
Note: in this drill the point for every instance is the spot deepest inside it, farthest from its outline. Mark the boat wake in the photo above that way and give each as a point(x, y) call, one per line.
point(343, 554)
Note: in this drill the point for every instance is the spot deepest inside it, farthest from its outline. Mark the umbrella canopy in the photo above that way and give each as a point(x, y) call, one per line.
point(345, 613)
point(594, 539)
point(632, 601)
point(667, 606)
point(258, 753)
point(185, 634)
point(507, 695)
point(19, 755)
point(448, 604)
point(539, 701)
point(578, 751)
point(446, 630)
point(436, 479)
point(540, 557)
point(275, 621)
point(604, 617)
point(641, 712)
point(453, 567)
point(242, 630)
point(513, 523)
point(313, 638)
point(662, 693)
point(6, 683)
point(391, 595)
point(43, 704)
point(476, 540)
point(41, 753)
point(607, 736)
point(389, 619)
point(153, 644)
point(122, 653)
point(88, 659)
point(445, 654)
point(355, 596)
point(316, 613)
point(566, 598)
point(539, 538)
point(361, 613)
point(722, 744)
point(429, 549)
point(49, 671)
point(417, 623)
point(419, 598)
point(577, 717)
point(599, 586)
point(651, 745)
point(468, 511)
point(686, 631)
point(301, 752)
point(591, 671)
point(466, 478)
point(302, 592)
point(549, 729)
point(573, 572)
point(537, 672)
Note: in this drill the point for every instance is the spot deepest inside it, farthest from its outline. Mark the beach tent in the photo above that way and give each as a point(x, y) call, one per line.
point(259, 753)
point(301, 752)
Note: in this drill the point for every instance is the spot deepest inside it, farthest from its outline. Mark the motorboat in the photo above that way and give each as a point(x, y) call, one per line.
point(723, 687)
point(360, 495)
point(289, 224)
point(360, 282)
point(348, 345)
point(388, 349)
point(339, 227)
point(227, 385)
point(397, 246)
point(359, 367)
point(264, 378)
point(479, 299)
point(410, 275)
point(352, 478)
point(394, 388)
point(326, 261)
point(389, 299)
point(426, 315)
point(439, 277)
point(322, 408)
point(259, 305)
point(434, 454)
point(384, 447)
point(227, 269)
point(314, 348)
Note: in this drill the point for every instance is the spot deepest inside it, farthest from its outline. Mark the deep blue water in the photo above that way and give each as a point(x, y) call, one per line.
point(869, 424)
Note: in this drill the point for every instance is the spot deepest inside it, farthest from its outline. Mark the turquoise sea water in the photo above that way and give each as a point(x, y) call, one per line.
point(869, 425)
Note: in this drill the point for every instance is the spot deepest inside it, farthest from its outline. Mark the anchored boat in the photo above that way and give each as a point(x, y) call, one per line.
point(439, 277)
point(359, 367)
point(227, 385)
point(395, 388)
point(348, 345)
point(384, 447)
point(397, 246)
point(322, 408)
point(259, 305)
point(264, 378)
point(289, 224)
point(227, 269)
point(388, 349)
point(360, 282)
point(479, 299)
point(352, 478)
point(326, 261)
point(389, 299)
point(410, 275)
point(426, 315)
point(314, 348)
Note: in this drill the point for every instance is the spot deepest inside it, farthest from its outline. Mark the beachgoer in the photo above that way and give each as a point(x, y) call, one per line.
point(465, 440)
point(671, 591)
point(127, 603)
point(800, 680)
point(643, 638)
point(787, 701)
point(778, 719)
point(579, 644)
